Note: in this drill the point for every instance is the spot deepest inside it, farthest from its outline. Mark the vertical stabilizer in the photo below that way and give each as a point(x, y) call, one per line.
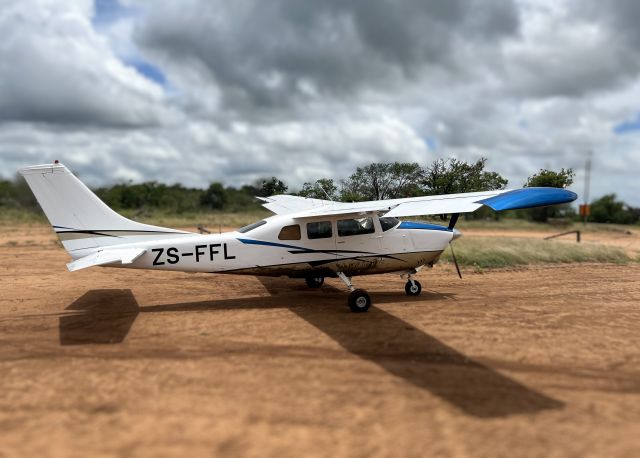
point(82, 221)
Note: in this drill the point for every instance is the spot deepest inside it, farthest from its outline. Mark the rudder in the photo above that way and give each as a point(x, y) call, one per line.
point(82, 221)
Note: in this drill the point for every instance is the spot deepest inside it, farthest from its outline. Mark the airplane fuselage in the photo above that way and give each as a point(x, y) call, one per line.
point(281, 245)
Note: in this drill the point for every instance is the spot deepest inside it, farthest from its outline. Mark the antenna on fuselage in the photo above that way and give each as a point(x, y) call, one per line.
point(324, 190)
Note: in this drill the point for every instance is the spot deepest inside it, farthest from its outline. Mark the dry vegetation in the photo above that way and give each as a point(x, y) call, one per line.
point(488, 252)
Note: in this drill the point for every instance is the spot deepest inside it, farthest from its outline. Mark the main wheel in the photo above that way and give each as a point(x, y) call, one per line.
point(314, 282)
point(359, 301)
point(413, 289)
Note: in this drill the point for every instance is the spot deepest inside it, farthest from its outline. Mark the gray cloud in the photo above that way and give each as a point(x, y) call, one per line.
point(56, 69)
point(620, 18)
point(270, 54)
point(570, 52)
point(308, 89)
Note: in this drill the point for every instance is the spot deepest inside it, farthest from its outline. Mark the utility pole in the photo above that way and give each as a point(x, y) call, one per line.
point(586, 210)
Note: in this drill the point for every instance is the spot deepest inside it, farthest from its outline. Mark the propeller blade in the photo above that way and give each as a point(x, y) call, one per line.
point(455, 261)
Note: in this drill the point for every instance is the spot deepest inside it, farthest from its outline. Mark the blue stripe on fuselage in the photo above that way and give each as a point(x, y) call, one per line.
point(423, 226)
point(281, 245)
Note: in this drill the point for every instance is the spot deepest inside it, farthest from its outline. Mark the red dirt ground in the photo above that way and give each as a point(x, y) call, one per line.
point(541, 361)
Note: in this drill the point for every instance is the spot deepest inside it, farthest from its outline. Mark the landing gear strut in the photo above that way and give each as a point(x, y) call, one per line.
point(359, 300)
point(314, 282)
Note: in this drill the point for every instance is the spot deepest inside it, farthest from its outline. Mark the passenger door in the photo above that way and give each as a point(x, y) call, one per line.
point(320, 236)
point(357, 236)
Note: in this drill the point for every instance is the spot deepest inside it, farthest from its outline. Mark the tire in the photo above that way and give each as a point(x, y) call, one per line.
point(314, 282)
point(413, 290)
point(359, 301)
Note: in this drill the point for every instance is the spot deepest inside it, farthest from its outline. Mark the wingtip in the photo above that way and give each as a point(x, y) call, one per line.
point(529, 198)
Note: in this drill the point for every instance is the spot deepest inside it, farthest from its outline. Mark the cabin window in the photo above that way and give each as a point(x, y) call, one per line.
point(347, 227)
point(387, 222)
point(290, 232)
point(251, 227)
point(319, 230)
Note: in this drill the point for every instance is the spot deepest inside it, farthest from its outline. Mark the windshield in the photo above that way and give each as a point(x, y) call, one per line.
point(251, 227)
point(388, 222)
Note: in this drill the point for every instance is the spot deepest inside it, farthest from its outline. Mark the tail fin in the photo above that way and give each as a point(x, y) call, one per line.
point(82, 221)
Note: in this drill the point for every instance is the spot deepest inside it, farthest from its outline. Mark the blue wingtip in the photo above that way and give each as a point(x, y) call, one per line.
point(528, 198)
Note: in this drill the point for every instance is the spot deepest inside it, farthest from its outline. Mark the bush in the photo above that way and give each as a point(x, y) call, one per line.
point(608, 209)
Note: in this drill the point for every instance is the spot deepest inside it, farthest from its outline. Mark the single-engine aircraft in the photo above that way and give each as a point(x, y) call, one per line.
point(306, 238)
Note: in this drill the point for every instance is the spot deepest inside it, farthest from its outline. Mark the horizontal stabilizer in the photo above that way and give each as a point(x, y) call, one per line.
point(107, 256)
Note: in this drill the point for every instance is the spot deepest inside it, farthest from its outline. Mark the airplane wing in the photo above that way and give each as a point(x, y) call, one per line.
point(107, 256)
point(505, 199)
point(284, 204)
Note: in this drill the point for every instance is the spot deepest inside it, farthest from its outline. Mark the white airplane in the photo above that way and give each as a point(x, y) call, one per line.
point(307, 238)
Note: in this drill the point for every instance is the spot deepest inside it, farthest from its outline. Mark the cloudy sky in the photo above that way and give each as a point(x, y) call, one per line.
point(195, 91)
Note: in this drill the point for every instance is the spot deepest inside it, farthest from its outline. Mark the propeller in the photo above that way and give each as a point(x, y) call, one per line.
point(455, 261)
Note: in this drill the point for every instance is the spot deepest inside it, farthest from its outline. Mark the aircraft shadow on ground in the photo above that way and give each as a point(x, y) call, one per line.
point(378, 336)
point(104, 316)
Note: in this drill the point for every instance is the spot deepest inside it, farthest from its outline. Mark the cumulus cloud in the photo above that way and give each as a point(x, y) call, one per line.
point(202, 90)
point(284, 52)
point(57, 69)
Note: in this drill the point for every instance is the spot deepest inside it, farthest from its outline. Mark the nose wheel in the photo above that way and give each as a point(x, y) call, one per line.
point(413, 288)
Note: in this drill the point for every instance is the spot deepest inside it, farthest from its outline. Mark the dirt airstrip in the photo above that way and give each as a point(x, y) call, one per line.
point(540, 361)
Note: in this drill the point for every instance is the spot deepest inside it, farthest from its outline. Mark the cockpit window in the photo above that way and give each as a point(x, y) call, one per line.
point(290, 233)
point(388, 222)
point(251, 227)
point(358, 226)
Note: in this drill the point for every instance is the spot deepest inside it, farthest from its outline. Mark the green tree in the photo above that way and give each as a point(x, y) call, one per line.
point(382, 181)
point(323, 188)
point(271, 187)
point(150, 196)
point(16, 194)
point(7, 194)
point(214, 198)
point(608, 209)
point(549, 179)
point(452, 176)
point(242, 199)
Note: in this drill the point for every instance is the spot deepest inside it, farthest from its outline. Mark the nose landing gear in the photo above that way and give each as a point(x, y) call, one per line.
point(413, 287)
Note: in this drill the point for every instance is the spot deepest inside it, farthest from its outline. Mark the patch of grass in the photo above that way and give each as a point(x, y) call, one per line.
point(488, 252)
point(10, 216)
point(508, 224)
point(516, 224)
point(211, 220)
